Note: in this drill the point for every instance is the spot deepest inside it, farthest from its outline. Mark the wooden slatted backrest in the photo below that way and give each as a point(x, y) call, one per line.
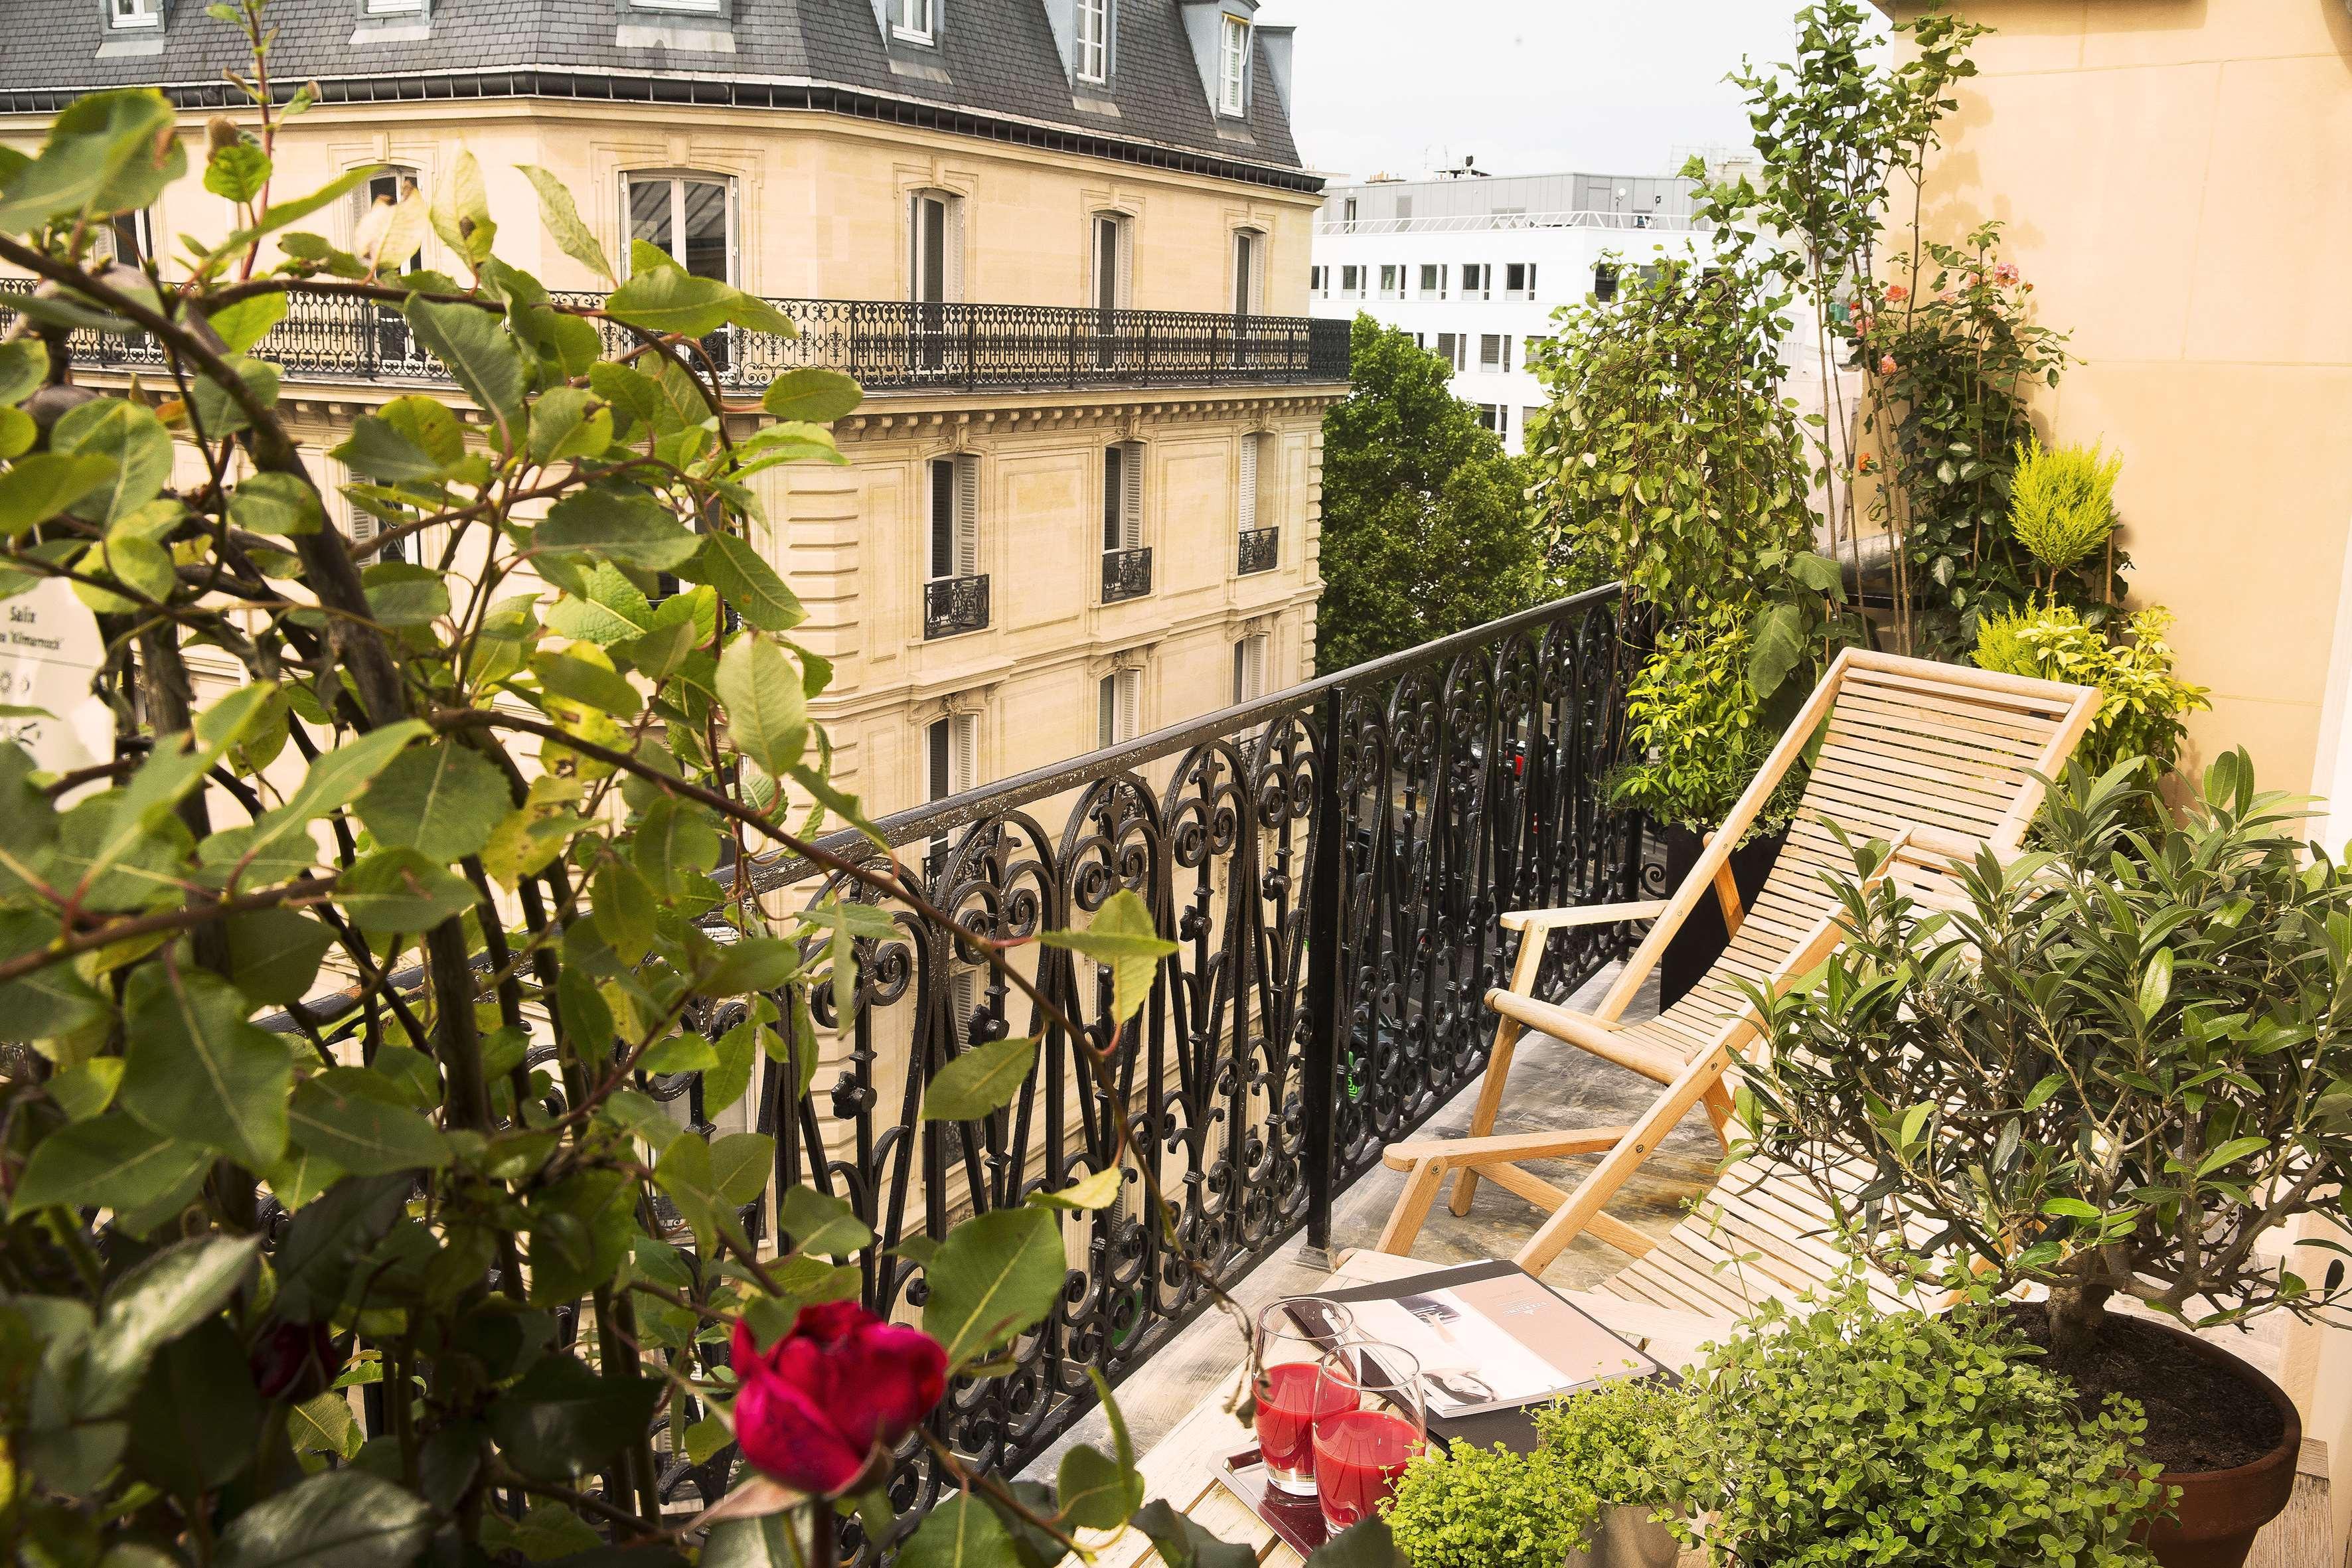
point(1946, 753)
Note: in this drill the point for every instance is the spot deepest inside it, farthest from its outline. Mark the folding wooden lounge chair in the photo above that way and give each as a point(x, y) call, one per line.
point(1939, 760)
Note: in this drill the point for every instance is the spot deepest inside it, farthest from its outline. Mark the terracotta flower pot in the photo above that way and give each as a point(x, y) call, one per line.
point(2220, 1512)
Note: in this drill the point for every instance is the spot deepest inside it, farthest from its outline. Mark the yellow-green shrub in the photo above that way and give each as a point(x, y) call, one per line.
point(2142, 703)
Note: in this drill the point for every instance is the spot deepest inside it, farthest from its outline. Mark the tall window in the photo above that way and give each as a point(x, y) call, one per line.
point(1348, 214)
point(1494, 416)
point(1452, 347)
point(131, 237)
point(954, 754)
point(1119, 707)
point(1495, 351)
point(1604, 282)
point(1519, 279)
point(1093, 40)
point(1478, 278)
point(1123, 496)
point(1255, 465)
point(134, 13)
point(1114, 266)
point(954, 549)
point(1232, 67)
point(383, 194)
point(935, 252)
point(1249, 271)
point(913, 19)
point(1433, 282)
point(1352, 282)
point(1392, 281)
point(685, 217)
point(1318, 282)
point(1249, 667)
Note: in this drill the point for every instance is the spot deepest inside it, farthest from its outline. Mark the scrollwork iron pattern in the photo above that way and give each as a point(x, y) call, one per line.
point(953, 606)
point(1126, 573)
point(888, 345)
point(1468, 783)
point(1260, 550)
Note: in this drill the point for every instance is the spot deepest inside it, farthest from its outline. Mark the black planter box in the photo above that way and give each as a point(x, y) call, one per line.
point(1703, 937)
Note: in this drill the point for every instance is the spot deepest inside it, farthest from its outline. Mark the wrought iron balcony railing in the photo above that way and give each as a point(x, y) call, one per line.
point(888, 345)
point(1261, 551)
point(955, 605)
point(1127, 574)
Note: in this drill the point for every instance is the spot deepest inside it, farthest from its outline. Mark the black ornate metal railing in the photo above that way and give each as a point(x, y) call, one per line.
point(1127, 574)
point(1331, 860)
point(1261, 551)
point(888, 345)
point(955, 605)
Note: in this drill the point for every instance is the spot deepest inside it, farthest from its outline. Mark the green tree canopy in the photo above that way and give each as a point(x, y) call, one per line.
point(1425, 523)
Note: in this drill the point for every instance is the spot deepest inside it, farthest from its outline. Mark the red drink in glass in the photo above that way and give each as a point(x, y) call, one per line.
point(1289, 1398)
point(1359, 1454)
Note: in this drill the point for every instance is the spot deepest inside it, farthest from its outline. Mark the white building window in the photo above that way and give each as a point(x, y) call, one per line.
point(953, 549)
point(1093, 40)
point(375, 202)
point(1232, 67)
point(1451, 348)
point(1114, 263)
point(1351, 282)
point(1519, 280)
point(1119, 707)
point(1318, 282)
point(1433, 282)
point(1258, 463)
point(1495, 351)
point(913, 20)
point(1122, 497)
point(390, 7)
point(953, 754)
point(1477, 279)
point(1494, 416)
point(1249, 272)
point(131, 236)
point(1392, 281)
point(935, 247)
point(134, 13)
point(687, 218)
point(1249, 667)
point(1527, 417)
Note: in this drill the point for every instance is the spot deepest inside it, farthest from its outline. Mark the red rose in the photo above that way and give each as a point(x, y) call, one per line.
point(823, 1403)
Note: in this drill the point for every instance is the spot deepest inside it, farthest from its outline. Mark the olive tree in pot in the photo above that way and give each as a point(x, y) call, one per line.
point(2109, 1070)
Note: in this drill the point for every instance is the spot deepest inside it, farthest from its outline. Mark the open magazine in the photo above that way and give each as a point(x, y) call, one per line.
point(1494, 1342)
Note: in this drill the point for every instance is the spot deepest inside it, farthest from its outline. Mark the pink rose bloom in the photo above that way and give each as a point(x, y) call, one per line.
point(1863, 325)
point(1896, 293)
point(2004, 272)
point(1886, 364)
point(825, 1404)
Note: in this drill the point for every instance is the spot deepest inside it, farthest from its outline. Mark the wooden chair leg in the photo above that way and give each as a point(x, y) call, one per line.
point(1551, 1237)
point(1490, 1103)
point(1718, 1100)
point(1412, 1207)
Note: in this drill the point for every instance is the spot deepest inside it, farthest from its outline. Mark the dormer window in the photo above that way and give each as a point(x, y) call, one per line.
point(395, 8)
point(134, 13)
point(1233, 66)
point(1093, 40)
point(913, 20)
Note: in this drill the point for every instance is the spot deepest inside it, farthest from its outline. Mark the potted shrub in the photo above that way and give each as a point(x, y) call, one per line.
point(1593, 1494)
point(2110, 1073)
point(1696, 734)
point(1833, 1433)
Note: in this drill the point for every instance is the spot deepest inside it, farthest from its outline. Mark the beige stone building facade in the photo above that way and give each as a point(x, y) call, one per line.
point(1063, 241)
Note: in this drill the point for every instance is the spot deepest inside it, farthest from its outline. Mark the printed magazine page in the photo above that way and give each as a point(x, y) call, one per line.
point(1490, 1344)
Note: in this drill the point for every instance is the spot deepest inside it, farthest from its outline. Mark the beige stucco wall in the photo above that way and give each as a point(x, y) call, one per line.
point(2176, 176)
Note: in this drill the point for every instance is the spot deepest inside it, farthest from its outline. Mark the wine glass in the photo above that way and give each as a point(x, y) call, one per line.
point(1369, 1422)
point(1293, 1335)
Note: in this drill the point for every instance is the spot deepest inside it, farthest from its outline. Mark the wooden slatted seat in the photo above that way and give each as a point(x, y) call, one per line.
point(1939, 762)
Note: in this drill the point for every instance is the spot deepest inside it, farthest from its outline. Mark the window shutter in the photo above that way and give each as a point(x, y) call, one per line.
point(1253, 667)
point(967, 752)
point(954, 227)
point(967, 515)
point(1248, 497)
point(1506, 351)
point(1130, 473)
point(1107, 710)
point(1126, 297)
point(1130, 716)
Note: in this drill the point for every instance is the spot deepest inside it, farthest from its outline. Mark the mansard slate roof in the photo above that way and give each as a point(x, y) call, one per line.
point(995, 71)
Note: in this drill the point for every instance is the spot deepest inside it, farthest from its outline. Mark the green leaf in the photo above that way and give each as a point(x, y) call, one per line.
point(274, 954)
point(1100, 1491)
point(1184, 1544)
point(675, 842)
point(346, 1519)
point(157, 1301)
point(24, 366)
point(749, 963)
point(587, 678)
point(276, 504)
point(406, 593)
point(129, 437)
point(630, 530)
point(2156, 983)
point(1124, 938)
point(195, 1069)
point(669, 299)
point(961, 1532)
point(562, 1418)
point(2229, 1153)
point(763, 1543)
point(746, 582)
point(684, 1172)
point(218, 411)
point(106, 152)
point(196, 1416)
point(738, 1050)
point(821, 1223)
point(36, 488)
point(236, 171)
point(1819, 573)
point(1777, 648)
point(441, 800)
point(739, 1166)
point(110, 1161)
point(473, 344)
point(461, 211)
point(995, 1276)
point(1367, 1543)
point(984, 1078)
point(2070, 1208)
point(767, 713)
point(561, 213)
point(814, 395)
point(343, 1115)
point(401, 890)
point(245, 322)
point(376, 450)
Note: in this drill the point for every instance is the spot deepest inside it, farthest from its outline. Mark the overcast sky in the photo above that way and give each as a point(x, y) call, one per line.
point(1527, 87)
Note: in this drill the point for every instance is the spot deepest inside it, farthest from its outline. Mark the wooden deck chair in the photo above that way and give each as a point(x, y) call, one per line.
point(1939, 760)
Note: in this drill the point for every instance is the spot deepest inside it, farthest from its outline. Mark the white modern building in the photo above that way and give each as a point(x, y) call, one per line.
point(1473, 265)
